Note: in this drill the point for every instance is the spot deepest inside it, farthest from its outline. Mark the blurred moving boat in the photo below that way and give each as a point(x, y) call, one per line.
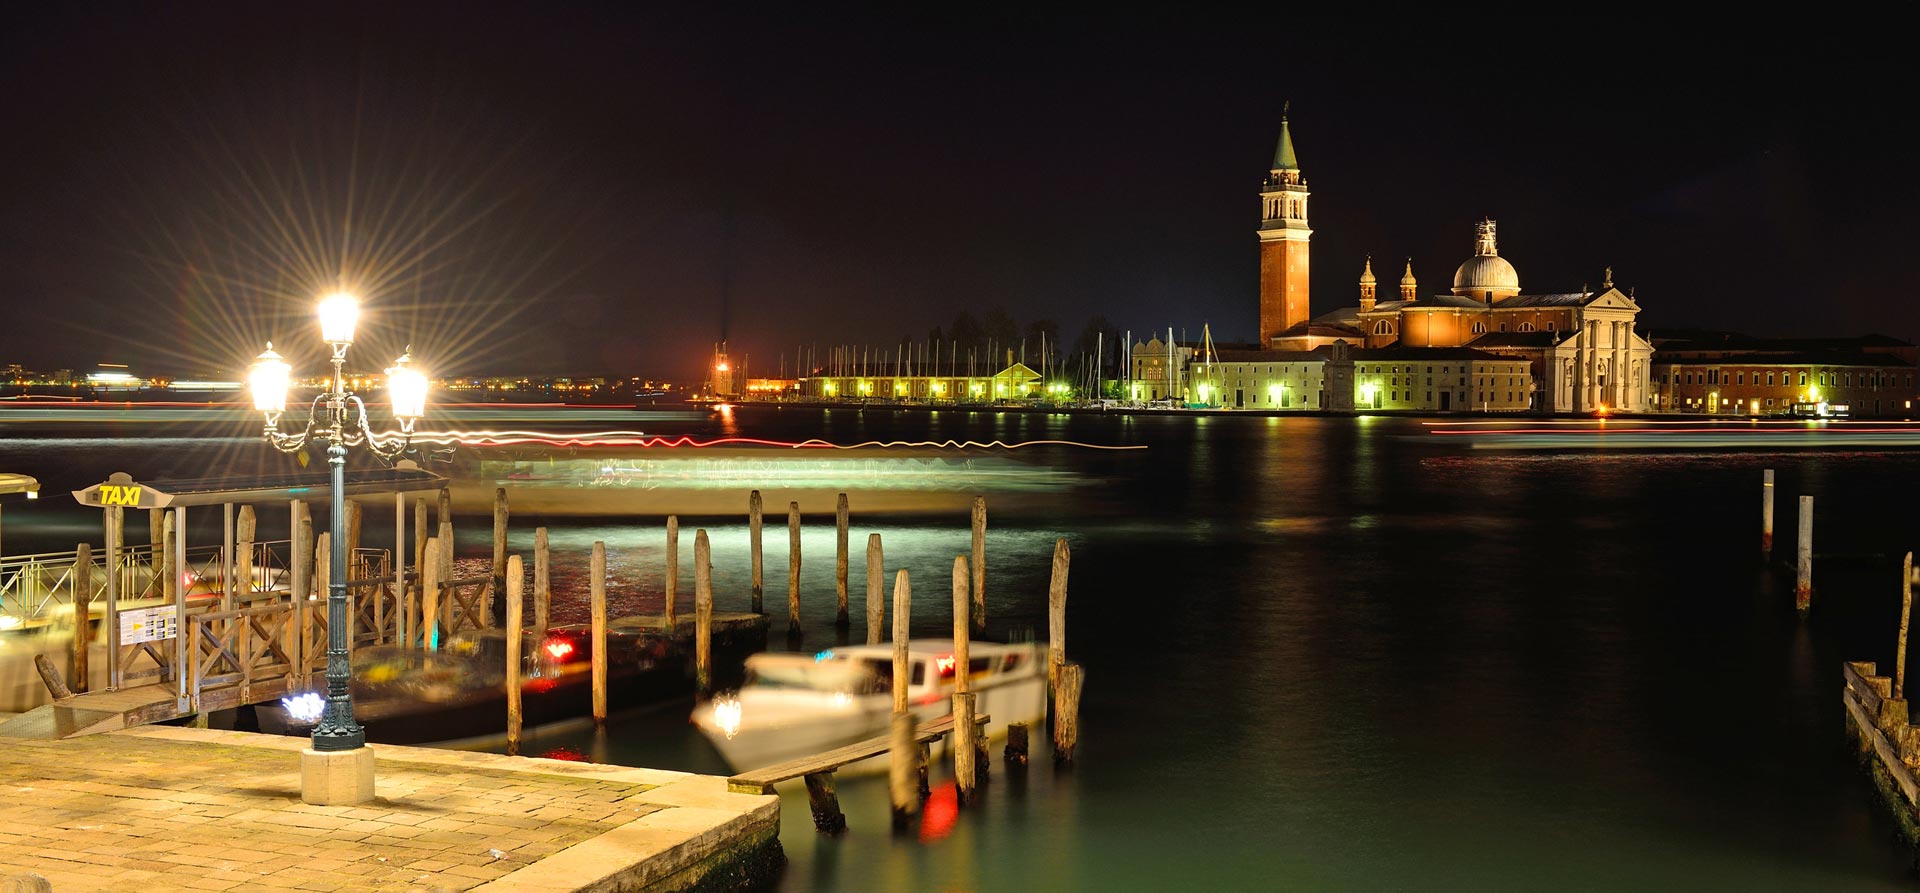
point(459, 693)
point(795, 705)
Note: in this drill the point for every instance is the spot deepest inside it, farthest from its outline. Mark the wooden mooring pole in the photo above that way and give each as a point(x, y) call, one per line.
point(754, 512)
point(876, 591)
point(979, 562)
point(1766, 516)
point(1016, 751)
point(420, 536)
point(702, 612)
point(515, 584)
point(673, 570)
point(430, 593)
point(1057, 611)
point(903, 752)
point(965, 747)
point(840, 519)
point(1066, 712)
point(1803, 581)
point(597, 596)
point(495, 593)
point(793, 569)
point(542, 579)
point(1906, 615)
point(248, 529)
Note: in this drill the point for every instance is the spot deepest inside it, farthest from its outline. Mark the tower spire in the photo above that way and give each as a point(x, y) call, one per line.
point(1283, 159)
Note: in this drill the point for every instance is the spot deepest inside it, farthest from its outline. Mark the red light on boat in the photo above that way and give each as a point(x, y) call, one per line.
point(559, 648)
point(944, 664)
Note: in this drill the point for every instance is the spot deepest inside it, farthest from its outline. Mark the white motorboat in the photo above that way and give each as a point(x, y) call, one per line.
point(795, 705)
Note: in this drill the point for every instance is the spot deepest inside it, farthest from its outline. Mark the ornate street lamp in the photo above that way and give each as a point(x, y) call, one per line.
point(330, 421)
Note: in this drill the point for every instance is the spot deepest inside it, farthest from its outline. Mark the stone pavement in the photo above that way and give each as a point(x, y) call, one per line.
point(165, 808)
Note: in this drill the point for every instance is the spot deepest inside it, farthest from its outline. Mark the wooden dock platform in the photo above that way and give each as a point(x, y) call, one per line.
point(167, 808)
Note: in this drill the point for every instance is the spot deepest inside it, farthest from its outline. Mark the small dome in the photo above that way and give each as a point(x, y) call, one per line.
point(1486, 271)
point(1408, 279)
point(1366, 275)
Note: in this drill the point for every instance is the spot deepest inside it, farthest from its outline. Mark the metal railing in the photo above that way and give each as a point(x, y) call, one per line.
point(38, 588)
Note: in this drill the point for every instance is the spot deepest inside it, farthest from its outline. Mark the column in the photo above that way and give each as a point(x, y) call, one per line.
point(1580, 369)
point(1620, 364)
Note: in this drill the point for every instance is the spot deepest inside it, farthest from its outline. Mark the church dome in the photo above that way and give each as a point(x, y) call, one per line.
point(1366, 275)
point(1486, 275)
point(1487, 271)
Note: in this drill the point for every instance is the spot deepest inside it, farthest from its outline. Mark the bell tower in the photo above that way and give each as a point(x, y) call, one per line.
point(1283, 242)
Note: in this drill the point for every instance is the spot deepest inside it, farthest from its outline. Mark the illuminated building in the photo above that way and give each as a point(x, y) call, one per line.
point(1581, 348)
point(1721, 373)
point(721, 375)
point(905, 383)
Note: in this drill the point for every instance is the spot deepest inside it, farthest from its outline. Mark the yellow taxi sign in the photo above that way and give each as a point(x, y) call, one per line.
point(120, 491)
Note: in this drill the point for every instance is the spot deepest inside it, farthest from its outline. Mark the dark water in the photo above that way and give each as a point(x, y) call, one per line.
point(1325, 654)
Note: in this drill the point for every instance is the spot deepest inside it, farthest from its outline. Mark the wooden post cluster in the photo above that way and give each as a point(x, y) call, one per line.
point(793, 569)
point(1766, 515)
point(702, 612)
point(965, 741)
point(840, 520)
point(979, 562)
point(597, 595)
point(876, 591)
point(542, 580)
point(515, 583)
point(1803, 581)
point(673, 569)
point(82, 612)
point(753, 545)
point(904, 751)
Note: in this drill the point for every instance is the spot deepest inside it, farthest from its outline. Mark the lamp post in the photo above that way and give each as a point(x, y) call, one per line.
point(339, 419)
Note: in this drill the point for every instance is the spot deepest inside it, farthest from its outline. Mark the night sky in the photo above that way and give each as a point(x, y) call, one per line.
point(592, 190)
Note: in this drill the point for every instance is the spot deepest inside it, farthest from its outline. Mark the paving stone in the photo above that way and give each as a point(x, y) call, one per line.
point(164, 808)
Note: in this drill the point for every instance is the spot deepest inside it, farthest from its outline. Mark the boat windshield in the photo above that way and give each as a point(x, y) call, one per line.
point(816, 675)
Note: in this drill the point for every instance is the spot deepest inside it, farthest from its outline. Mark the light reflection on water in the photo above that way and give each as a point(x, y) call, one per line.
point(1322, 655)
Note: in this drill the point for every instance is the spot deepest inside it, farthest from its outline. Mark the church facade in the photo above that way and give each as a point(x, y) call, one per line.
point(1581, 348)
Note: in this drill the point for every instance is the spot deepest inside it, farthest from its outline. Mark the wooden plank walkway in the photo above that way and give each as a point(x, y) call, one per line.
point(762, 780)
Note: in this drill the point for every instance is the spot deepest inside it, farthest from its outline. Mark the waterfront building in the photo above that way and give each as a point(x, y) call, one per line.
point(1581, 348)
point(884, 382)
point(1722, 373)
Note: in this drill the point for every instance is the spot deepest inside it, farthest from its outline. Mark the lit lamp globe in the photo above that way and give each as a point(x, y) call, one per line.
point(268, 381)
point(407, 388)
point(338, 313)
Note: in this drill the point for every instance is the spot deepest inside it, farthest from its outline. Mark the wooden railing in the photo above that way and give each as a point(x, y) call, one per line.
point(235, 651)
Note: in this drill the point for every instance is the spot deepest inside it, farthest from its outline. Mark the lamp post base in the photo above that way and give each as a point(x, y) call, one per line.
point(336, 778)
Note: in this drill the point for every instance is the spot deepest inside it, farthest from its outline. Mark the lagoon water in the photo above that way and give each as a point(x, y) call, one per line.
point(1322, 653)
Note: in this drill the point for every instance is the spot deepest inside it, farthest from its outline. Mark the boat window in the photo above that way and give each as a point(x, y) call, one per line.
point(978, 665)
point(1012, 660)
point(919, 672)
